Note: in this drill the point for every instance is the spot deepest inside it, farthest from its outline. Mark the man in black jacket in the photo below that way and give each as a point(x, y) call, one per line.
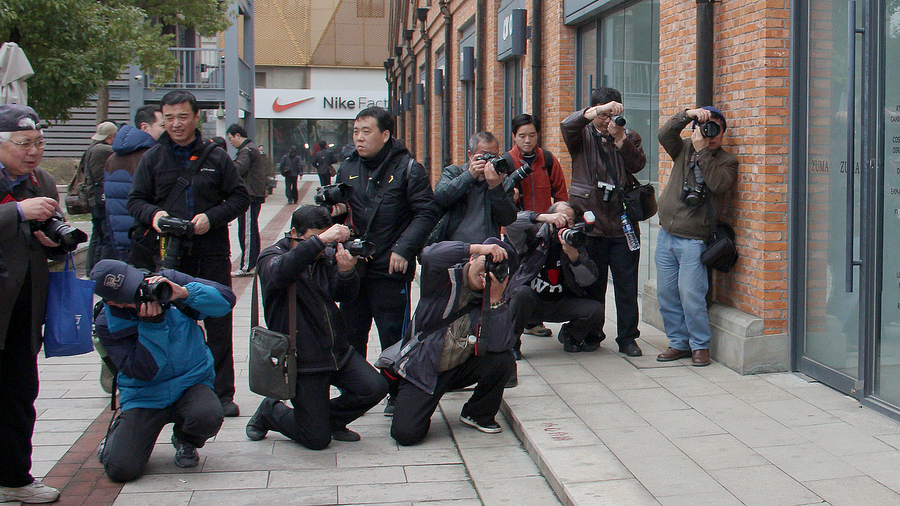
point(214, 196)
point(392, 206)
point(252, 168)
point(552, 281)
point(321, 275)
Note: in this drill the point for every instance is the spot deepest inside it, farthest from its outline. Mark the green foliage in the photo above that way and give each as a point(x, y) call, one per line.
point(76, 46)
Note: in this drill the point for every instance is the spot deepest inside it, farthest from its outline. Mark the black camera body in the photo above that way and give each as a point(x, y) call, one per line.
point(708, 129)
point(160, 292)
point(576, 235)
point(178, 235)
point(360, 247)
point(500, 163)
point(57, 230)
point(694, 196)
point(329, 195)
point(500, 269)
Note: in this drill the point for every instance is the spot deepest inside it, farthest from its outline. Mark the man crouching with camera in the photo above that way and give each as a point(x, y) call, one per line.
point(461, 334)
point(701, 176)
point(322, 273)
point(149, 328)
point(550, 285)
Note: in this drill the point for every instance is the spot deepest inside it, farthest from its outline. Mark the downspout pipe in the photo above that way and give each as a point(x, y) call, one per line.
point(480, 34)
point(537, 55)
point(705, 46)
point(445, 106)
point(422, 14)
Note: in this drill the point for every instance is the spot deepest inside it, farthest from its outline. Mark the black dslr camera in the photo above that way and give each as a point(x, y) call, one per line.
point(576, 235)
point(500, 163)
point(500, 269)
point(178, 235)
point(57, 230)
point(694, 196)
point(709, 129)
point(329, 195)
point(160, 292)
point(359, 247)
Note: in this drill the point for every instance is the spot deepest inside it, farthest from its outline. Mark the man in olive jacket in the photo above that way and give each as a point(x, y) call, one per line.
point(252, 168)
point(701, 176)
point(605, 156)
point(322, 273)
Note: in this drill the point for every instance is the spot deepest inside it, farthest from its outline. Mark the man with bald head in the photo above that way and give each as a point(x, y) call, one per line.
point(27, 197)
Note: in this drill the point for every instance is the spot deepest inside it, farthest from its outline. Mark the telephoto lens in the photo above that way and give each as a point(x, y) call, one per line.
point(619, 120)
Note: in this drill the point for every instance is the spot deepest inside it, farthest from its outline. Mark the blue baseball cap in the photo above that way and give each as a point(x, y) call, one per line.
point(716, 113)
point(116, 281)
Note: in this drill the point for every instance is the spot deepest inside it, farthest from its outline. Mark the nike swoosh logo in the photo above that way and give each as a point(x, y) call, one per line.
point(283, 107)
point(352, 177)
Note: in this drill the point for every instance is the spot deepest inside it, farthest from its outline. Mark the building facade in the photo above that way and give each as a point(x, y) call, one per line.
point(813, 122)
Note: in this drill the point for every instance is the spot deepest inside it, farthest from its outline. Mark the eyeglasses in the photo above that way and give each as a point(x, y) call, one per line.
point(26, 145)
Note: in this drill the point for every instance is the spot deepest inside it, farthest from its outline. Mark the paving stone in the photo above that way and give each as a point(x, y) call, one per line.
point(843, 439)
point(612, 415)
point(769, 486)
point(573, 373)
point(761, 431)
point(651, 399)
point(377, 492)
point(610, 493)
point(854, 491)
point(198, 481)
point(593, 392)
point(719, 451)
point(883, 467)
point(499, 464)
point(557, 433)
point(794, 412)
point(807, 462)
point(516, 491)
point(718, 498)
point(296, 496)
point(437, 472)
point(154, 499)
point(546, 407)
point(584, 464)
point(359, 459)
point(688, 384)
point(338, 476)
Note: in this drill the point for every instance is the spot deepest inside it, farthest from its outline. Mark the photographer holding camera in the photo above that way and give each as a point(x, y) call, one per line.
point(148, 325)
point(460, 335)
point(28, 199)
point(473, 197)
point(605, 155)
point(313, 259)
point(701, 176)
point(550, 285)
point(188, 190)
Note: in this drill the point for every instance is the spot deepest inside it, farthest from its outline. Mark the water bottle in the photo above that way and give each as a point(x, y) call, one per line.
point(633, 242)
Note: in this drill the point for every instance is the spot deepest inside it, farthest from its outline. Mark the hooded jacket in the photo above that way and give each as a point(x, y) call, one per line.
point(589, 168)
point(321, 332)
point(216, 190)
point(129, 147)
point(407, 212)
point(157, 362)
point(719, 169)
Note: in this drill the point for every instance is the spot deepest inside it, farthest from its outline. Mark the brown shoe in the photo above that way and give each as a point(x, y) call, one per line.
point(700, 358)
point(672, 354)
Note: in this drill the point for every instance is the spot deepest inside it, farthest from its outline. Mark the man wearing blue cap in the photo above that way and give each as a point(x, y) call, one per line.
point(149, 328)
point(701, 176)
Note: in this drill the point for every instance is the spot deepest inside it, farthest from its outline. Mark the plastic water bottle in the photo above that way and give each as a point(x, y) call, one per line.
point(633, 242)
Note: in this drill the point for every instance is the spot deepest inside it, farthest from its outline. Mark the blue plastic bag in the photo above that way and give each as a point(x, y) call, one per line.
point(69, 320)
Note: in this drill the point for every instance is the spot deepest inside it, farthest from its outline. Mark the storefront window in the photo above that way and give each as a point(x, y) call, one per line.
point(306, 133)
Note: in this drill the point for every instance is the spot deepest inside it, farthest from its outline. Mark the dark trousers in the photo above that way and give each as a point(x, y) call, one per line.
point(584, 316)
point(249, 236)
point(315, 415)
point(385, 300)
point(611, 254)
point(18, 390)
point(99, 247)
point(197, 416)
point(290, 189)
point(218, 330)
point(489, 373)
point(324, 179)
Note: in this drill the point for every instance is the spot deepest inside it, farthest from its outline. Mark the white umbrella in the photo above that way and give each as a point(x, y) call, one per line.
point(14, 70)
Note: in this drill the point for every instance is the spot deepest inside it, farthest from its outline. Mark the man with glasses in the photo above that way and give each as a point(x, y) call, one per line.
point(472, 197)
point(27, 196)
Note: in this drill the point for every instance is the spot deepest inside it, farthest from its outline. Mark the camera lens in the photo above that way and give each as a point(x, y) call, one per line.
point(618, 120)
point(574, 238)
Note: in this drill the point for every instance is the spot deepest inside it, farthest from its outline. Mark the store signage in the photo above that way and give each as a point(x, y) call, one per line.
point(506, 28)
point(315, 104)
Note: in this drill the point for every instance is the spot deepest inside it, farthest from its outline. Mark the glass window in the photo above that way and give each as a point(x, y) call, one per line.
point(306, 133)
point(512, 82)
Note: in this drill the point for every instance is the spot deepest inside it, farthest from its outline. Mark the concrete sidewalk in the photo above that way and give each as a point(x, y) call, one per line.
point(601, 428)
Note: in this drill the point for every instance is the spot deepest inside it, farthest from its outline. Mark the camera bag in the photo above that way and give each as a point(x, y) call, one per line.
point(77, 201)
point(639, 200)
point(144, 252)
point(721, 253)
point(273, 355)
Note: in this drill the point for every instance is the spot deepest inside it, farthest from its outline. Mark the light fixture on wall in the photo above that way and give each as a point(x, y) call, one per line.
point(220, 112)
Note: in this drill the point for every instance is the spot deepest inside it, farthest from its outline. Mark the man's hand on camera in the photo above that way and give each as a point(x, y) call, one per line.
point(698, 140)
point(476, 168)
point(558, 220)
point(607, 109)
point(567, 248)
point(398, 264)
point(338, 209)
point(178, 291)
point(700, 115)
point(491, 175)
point(345, 261)
point(44, 240)
point(156, 217)
point(496, 251)
point(38, 208)
point(335, 233)
point(617, 132)
point(201, 224)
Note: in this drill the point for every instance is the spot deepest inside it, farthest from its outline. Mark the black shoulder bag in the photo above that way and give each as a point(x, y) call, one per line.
point(721, 253)
point(273, 355)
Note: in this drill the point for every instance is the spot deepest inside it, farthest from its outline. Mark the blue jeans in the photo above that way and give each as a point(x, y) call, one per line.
point(681, 286)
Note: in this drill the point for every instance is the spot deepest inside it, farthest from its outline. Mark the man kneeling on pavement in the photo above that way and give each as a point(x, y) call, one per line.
point(550, 285)
point(150, 330)
point(457, 338)
point(322, 273)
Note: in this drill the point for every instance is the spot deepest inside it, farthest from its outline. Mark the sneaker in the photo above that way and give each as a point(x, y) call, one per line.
point(186, 455)
point(345, 434)
point(33, 493)
point(489, 428)
point(230, 409)
point(389, 406)
point(241, 273)
point(539, 330)
point(100, 450)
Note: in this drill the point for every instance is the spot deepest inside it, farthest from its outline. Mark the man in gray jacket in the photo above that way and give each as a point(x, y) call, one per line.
point(252, 168)
point(701, 176)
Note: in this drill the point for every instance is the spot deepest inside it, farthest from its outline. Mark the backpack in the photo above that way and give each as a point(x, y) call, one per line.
point(77, 195)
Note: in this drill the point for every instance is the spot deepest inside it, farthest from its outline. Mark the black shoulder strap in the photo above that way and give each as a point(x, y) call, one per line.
point(548, 166)
point(184, 180)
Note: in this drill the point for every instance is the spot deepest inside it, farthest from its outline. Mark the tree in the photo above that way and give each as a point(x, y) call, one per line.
point(77, 46)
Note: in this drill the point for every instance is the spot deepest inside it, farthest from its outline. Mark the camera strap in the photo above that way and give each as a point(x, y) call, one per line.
point(184, 180)
point(693, 163)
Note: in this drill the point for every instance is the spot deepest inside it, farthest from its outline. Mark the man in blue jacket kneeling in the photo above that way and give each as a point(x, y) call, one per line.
point(149, 328)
